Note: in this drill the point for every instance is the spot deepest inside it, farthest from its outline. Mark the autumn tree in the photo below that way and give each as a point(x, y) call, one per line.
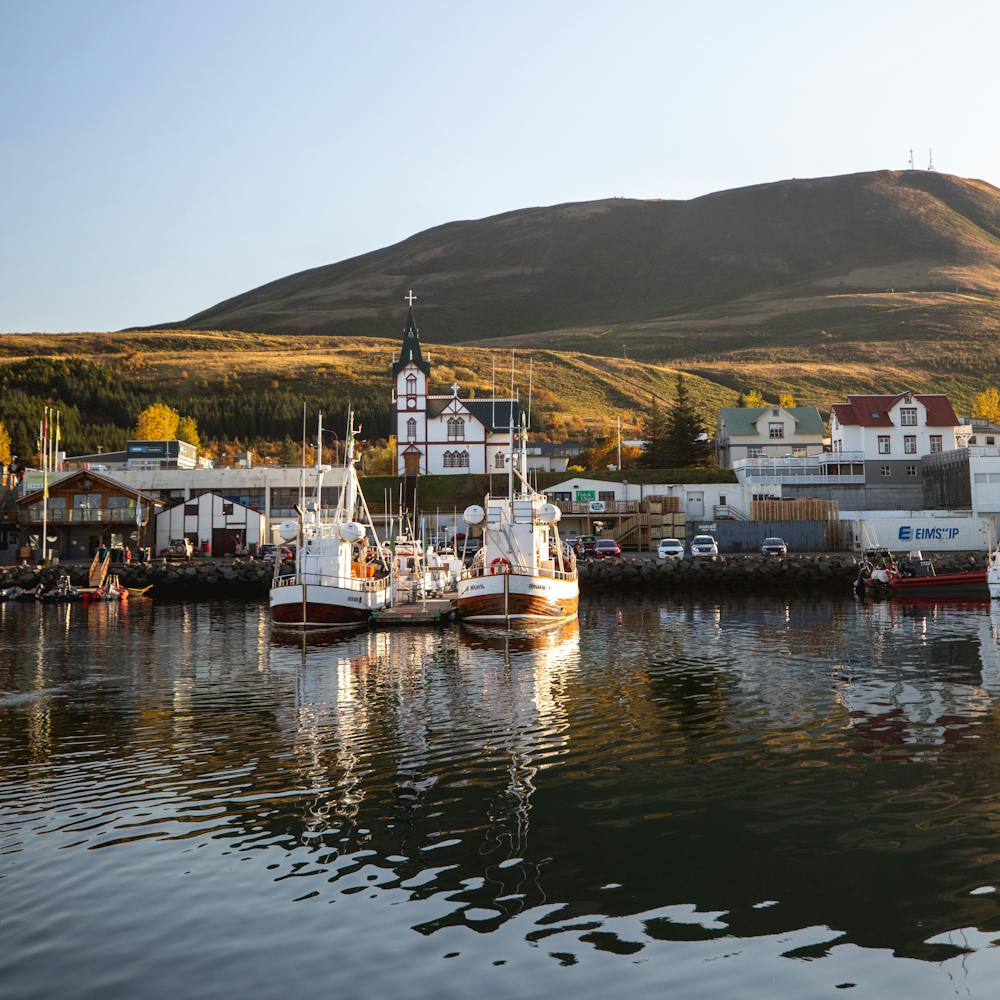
point(187, 430)
point(5, 452)
point(986, 406)
point(786, 400)
point(741, 401)
point(289, 453)
point(755, 400)
point(157, 422)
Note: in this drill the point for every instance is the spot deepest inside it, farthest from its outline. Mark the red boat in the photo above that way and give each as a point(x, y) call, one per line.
point(881, 575)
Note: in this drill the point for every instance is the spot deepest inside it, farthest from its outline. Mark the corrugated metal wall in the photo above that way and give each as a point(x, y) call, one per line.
point(748, 536)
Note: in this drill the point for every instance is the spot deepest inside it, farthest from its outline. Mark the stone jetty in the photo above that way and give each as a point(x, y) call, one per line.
point(212, 578)
point(835, 572)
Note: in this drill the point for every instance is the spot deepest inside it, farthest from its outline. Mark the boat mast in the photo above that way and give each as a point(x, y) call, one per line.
point(319, 468)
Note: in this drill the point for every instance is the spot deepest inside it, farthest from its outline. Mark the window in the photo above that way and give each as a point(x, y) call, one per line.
point(935, 444)
point(227, 507)
point(607, 496)
point(972, 440)
point(754, 452)
point(558, 497)
point(908, 416)
point(500, 461)
point(456, 429)
point(884, 448)
point(190, 510)
point(775, 430)
point(886, 470)
point(799, 452)
point(411, 384)
point(991, 439)
point(911, 470)
point(722, 499)
point(411, 429)
point(910, 444)
point(456, 459)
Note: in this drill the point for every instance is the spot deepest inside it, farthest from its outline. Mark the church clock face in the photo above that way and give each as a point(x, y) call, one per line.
point(411, 402)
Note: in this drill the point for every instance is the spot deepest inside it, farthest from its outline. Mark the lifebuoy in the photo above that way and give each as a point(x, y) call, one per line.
point(505, 563)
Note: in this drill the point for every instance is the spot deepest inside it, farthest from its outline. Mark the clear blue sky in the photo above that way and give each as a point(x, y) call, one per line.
point(160, 155)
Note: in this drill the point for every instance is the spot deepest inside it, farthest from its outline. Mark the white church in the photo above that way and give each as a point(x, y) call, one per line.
point(442, 435)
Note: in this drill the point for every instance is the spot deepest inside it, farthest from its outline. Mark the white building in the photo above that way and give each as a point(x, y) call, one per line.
point(900, 428)
point(767, 432)
point(227, 526)
point(445, 434)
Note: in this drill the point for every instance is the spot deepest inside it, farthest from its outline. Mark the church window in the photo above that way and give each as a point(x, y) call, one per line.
point(411, 429)
point(456, 429)
point(411, 384)
point(456, 460)
point(499, 460)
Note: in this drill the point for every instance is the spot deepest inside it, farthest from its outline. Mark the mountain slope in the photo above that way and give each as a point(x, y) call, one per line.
point(769, 265)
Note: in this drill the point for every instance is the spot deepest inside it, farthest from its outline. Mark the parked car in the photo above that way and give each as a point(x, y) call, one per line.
point(670, 548)
point(774, 547)
point(270, 552)
point(585, 545)
point(179, 548)
point(607, 548)
point(704, 545)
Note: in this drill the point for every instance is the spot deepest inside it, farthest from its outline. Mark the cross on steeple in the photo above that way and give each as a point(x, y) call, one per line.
point(411, 298)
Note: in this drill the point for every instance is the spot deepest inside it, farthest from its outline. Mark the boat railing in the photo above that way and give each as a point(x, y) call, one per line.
point(515, 569)
point(325, 580)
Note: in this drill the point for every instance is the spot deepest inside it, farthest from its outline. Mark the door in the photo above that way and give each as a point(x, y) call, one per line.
point(411, 463)
point(225, 541)
point(696, 504)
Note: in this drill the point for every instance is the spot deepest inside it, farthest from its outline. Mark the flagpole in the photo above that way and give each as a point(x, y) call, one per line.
point(45, 486)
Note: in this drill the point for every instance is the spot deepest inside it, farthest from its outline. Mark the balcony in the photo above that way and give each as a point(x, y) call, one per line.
point(830, 469)
point(94, 515)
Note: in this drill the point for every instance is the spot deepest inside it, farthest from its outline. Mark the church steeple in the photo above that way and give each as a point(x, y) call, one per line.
point(411, 353)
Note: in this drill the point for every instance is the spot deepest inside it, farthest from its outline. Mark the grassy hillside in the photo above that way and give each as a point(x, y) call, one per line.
point(849, 262)
point(251, 386)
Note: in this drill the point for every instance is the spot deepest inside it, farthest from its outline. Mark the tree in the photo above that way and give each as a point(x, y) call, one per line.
point(684, 445)
point(741, 401)
point(755, 400)
point(157, 422)
point(187, 430)
point(986, 406)
point(654, 433)
point(289, 453)
point(5, 452)
point(786, 400)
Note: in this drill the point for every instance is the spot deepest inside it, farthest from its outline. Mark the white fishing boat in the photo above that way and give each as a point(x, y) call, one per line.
point(522, 575)
point(993, 573)
point(340, 578)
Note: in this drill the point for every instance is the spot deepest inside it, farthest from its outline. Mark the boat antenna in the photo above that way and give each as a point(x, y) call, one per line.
point(510, 427)
point(531, 368)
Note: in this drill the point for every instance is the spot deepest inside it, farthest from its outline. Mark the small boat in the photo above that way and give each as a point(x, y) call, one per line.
point(11, 593)
point(139, 591)
point(62, 593)
point(881, 575)
point(33, 594)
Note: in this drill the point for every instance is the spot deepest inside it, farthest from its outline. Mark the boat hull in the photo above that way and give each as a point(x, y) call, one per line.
point(972, 584)
point(313, 606)
point(512, 597)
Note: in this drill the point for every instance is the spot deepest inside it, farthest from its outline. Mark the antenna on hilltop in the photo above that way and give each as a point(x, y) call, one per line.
point(930, 159)
point(911, 159)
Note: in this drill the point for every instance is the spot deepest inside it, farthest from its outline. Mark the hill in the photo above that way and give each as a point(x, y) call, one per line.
point(252, 386)
point(834, 270)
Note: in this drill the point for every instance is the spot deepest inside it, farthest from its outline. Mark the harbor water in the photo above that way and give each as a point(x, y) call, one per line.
point(720, 798)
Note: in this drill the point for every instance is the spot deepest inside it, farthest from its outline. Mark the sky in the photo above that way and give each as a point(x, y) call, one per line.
point(157, 157)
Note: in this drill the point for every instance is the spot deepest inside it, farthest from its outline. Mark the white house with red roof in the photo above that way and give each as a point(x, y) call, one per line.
point(900, 428)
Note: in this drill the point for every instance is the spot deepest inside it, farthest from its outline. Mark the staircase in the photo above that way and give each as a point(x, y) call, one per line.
point(728, 512)
point(629, 531)
point(98, 570)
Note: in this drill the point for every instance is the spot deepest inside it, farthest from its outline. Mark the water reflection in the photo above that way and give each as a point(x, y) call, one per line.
point(673, 794)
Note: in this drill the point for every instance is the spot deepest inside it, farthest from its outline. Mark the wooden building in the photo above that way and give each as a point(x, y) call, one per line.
point(85, 510)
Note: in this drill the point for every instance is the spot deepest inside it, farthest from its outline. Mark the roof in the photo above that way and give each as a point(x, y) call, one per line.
point(742, 420)
point(873, 411)
point(484, 410)
point(411, 348)
point(180, 502)
point(64, 481)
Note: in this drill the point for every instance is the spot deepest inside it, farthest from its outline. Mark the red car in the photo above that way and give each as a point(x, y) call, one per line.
point(607, 548)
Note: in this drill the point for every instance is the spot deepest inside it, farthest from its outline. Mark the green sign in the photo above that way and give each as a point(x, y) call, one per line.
point(586, 494)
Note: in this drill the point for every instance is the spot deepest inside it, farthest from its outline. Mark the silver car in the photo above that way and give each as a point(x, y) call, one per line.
point(704, 545)
point(774, 547)
point(670, 548)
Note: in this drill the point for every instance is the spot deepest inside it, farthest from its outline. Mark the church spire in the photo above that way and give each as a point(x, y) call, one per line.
point(411, 354)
